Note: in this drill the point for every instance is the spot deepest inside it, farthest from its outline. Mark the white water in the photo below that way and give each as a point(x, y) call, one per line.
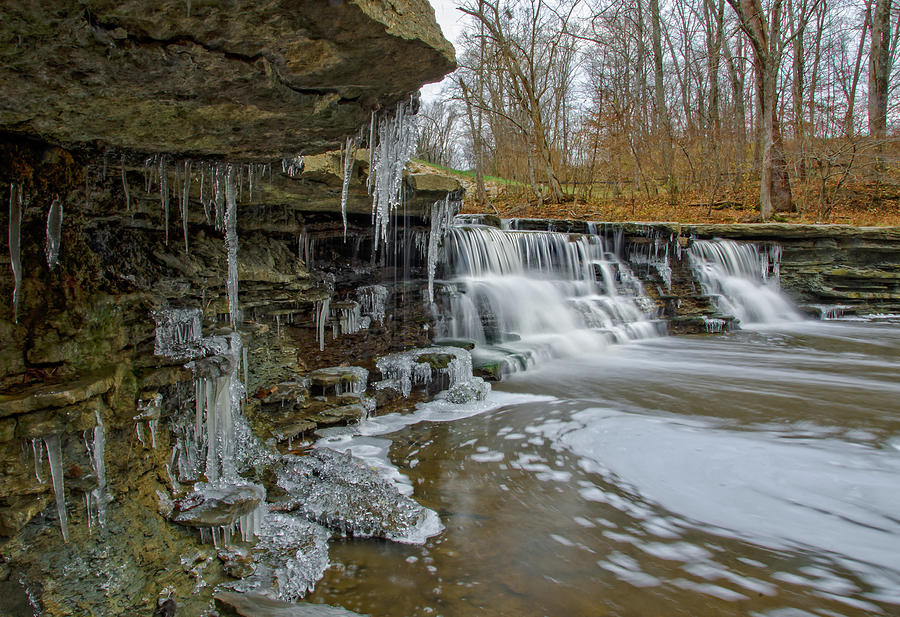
point(743, 279)
point(539, 295)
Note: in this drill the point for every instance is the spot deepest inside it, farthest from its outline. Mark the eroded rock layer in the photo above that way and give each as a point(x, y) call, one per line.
point(236, 80)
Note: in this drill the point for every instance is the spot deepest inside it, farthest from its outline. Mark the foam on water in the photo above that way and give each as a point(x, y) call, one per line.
point(750, 484)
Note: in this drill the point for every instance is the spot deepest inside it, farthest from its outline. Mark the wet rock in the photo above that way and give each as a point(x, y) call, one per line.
point(58, 421)
point(20, 510)
point(339, 380)
point(61, 395)
point(342, 493)
point(467, 344)
point(232, 604)
point(237, 561)
point(218, 506)
point(7, 429)
point(14, 601)
point(343, 414)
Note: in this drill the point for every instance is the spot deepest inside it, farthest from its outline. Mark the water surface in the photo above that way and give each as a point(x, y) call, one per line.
point(753, 473)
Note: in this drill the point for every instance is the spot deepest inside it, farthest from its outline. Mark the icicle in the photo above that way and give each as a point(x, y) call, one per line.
point(54, 455)
point(97, 453)
point(54, 228)
point(231, 246)
point(292, 167)
point(246, 369)
point(371, 175)
point(37, 447)
point(15, 252)
point(321, 317)
point(164, 194)
point(125, 187)
point(349, 154)
point(185, 197)
point(203, 201)
point(220, 197)
point(396, 142)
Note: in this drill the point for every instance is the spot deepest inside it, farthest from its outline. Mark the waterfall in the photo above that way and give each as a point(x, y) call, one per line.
point(743, 278)
point(534, 295)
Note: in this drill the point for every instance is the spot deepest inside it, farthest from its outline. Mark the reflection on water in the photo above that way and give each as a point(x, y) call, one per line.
point(755, 473)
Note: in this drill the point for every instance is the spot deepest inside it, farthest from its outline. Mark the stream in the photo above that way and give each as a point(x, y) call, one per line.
point(751, 473)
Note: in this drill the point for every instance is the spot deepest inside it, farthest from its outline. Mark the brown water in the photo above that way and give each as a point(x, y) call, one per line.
point(754, 473)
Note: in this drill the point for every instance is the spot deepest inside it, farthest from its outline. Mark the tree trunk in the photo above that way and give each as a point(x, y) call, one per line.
point(879, 68)
point(662, 115)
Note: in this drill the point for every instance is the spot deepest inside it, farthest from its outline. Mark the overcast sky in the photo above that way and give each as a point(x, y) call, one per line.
point(451, 21)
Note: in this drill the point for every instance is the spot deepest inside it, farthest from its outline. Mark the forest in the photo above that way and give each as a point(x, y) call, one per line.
point(753, 109)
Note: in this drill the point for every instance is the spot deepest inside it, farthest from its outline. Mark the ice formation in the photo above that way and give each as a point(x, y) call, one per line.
point(348, 496)
point(322, 307)
point(349, 155)
point(54, 456)
point(396, 143)
point(15, 249)
point(97, 498)
point(185, 198)
point(164, 193)
point(177, 332)
point(125, 187)
point(231, 246)
point(407, 369)
point(293, 166)
point(292, 555)
point(372, 300)
point(54, 229)
point(442, 213)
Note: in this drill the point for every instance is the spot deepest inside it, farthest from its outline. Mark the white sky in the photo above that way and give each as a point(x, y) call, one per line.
point(451, 22)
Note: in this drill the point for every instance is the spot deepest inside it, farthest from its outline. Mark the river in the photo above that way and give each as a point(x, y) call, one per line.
point(751, 473)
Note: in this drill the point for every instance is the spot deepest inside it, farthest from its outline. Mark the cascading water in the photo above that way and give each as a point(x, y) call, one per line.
point(525, 296)
point(743, 279)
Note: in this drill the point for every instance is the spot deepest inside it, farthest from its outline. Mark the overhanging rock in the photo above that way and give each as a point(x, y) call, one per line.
point(235, 80)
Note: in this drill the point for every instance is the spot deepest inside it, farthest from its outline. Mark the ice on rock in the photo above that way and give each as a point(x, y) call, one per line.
point(148, 413)
point(475, 389)
point(177, 332)
point(54, 456)
point(344, 494)
point(291, 556)
point(54, 229)
point(396, 143)
point(15, 238)
point(372, 301)
point(293, 167)
point(421, 367)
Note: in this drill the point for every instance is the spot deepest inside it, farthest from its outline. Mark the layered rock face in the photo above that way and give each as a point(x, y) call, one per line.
point(141, 149)
point(227, 79)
